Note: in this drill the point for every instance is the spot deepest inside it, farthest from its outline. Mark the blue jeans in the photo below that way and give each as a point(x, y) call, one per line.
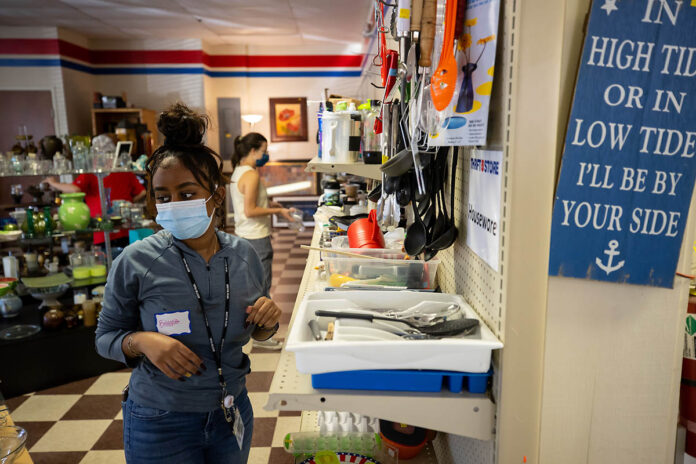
point(155, 436)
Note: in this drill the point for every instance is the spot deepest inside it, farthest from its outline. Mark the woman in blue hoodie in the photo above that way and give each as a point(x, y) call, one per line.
point(178, 308)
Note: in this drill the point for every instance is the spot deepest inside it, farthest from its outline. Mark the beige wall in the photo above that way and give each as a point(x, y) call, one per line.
point(612, 353)
point(254, 94)
point(37, 77)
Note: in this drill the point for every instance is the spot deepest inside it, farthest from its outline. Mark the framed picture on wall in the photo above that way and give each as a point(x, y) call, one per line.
point(288, 119)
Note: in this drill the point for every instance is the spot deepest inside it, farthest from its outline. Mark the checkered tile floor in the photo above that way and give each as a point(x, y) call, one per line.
point(81, 422)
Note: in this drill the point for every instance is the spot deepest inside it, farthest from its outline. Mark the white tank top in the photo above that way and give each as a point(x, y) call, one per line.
point(249, 228)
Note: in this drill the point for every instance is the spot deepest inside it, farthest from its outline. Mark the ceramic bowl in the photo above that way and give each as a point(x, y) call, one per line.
point(48, 295)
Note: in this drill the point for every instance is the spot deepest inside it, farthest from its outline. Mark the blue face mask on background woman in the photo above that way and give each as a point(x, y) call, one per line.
point(263, 160)
point(184, 219)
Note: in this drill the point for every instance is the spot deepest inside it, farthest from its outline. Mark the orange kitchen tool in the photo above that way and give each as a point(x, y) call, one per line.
point(444, 79)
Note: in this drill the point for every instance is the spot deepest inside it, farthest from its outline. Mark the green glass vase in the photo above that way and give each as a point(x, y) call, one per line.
point(73, 212)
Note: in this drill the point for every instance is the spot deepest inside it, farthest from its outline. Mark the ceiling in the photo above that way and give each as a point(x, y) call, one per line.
point(246, 22)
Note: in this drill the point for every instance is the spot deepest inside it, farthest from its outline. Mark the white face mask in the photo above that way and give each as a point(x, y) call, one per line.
point(185, 219)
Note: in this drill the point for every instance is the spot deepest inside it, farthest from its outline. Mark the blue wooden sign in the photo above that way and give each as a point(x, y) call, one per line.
point(628, 167)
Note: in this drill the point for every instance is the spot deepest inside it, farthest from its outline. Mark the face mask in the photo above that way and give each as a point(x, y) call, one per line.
point(263, 160)
point(184, 219)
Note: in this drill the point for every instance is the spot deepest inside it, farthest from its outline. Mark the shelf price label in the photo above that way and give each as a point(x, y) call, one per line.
point(627, 172)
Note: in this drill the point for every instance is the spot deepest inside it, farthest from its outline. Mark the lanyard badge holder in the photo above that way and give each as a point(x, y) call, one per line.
point(229, 409)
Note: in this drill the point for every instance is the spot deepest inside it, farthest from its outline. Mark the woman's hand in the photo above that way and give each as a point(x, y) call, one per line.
point(287, 214)
point(265, 313)
point(51, 180)
point(169, 355)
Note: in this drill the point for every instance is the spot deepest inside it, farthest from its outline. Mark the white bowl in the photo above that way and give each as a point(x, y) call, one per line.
point(48, 295)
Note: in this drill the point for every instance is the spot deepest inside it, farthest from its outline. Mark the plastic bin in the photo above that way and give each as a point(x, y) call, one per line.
point(403, 380)
point(391, 269)
point(470, 354)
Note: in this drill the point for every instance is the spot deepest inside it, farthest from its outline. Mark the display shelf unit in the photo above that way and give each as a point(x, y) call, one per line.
point(370, 171)
point(471, 415)
point(101, 174)
point(102, 117)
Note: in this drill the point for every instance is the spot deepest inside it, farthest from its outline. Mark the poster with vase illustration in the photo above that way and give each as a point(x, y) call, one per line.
point(464, 122)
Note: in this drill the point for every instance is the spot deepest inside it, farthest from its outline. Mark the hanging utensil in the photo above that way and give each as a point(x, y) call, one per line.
point(403, 27)
point(415, 234)
point(416, 15)
point(441, 224)
point(392, 63)
point(427, 34)
point(449, 237)
point(444, 80)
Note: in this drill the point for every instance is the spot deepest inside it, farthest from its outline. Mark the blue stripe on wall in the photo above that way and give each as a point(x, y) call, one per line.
point(18, 62)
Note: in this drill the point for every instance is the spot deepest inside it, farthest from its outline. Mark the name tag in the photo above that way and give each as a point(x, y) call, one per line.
point(175, 323)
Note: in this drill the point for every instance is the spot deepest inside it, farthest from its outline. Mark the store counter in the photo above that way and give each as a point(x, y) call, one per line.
point(65, 354)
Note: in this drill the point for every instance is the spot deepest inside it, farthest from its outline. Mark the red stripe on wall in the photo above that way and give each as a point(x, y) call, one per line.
point(283, 61)
point(29, 46)
point(119, 57)
point(146, 56)
point(70, 50)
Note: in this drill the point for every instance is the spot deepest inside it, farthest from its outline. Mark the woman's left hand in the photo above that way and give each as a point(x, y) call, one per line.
point(264, 313)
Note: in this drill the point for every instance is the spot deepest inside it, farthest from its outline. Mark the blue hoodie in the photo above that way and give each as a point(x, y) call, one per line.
point(149, 280)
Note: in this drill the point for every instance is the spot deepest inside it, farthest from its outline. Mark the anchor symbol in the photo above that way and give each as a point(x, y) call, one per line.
point(611, 252)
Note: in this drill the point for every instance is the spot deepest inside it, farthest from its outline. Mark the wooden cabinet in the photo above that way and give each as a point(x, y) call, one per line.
point(102, 118)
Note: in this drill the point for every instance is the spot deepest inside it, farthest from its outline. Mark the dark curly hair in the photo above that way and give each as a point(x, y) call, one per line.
point(183, 131)
point(243, 145)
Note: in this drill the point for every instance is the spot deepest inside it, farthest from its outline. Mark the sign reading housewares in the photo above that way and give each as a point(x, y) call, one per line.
point(483, 210)
point(628, 168)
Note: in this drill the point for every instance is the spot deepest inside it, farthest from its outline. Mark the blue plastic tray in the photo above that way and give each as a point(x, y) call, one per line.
point(403, 380)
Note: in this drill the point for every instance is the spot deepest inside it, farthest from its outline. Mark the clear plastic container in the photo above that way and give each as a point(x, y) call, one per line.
point(296, 223)
point(391, 270)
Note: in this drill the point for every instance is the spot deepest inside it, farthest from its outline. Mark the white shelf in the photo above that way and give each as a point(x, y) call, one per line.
point(466, 414)
point(458, 413)
point(370, 171)
point(75, 173)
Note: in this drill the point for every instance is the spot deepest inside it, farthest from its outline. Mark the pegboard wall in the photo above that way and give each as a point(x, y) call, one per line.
point(461, 270)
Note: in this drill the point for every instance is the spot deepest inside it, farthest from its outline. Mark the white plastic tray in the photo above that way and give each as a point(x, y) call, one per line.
point(462, 354)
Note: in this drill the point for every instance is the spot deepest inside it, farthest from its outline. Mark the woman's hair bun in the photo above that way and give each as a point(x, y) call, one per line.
point(182, 126)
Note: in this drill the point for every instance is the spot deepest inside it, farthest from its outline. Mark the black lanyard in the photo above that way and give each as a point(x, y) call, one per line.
point(217, 352)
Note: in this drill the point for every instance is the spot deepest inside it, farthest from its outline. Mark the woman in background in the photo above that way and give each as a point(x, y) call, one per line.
point(252, 210)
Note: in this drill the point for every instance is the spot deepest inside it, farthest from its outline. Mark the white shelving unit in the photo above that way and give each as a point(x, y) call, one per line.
point(370, 171)
point(465, 414)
